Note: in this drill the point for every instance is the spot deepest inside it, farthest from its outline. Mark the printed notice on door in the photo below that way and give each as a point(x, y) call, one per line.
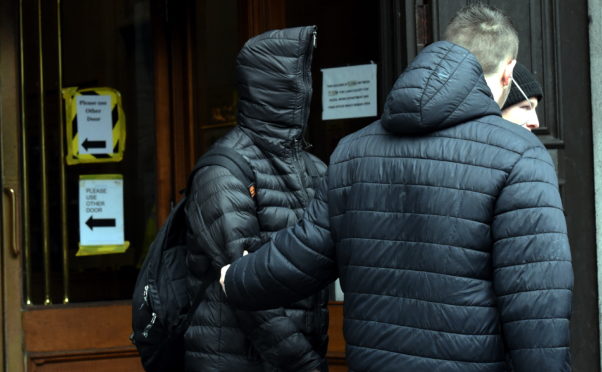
point(94, 124)
point(349, 92)
point(101, 214)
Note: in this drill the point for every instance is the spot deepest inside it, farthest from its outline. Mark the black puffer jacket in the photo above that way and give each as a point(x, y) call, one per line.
point(446, 227)
point(274, 83)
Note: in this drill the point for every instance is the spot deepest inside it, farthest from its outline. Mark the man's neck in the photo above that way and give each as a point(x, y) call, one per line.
point(494, 82)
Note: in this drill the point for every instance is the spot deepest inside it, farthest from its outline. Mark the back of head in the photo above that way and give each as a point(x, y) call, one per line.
point(486, 32)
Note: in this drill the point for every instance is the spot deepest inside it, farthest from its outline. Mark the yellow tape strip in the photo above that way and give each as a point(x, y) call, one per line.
point(92, 250)
point(101, 176)
point(119, 133)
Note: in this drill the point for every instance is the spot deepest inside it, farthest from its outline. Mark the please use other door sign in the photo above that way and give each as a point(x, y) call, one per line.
point(101, 214)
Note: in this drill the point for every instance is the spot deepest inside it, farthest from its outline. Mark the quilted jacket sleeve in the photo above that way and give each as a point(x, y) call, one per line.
point(533, 275)
point(222, 219)
point(221, 216)
point(295, 263)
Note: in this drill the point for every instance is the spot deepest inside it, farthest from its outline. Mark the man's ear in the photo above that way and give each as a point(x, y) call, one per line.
point(507, 73)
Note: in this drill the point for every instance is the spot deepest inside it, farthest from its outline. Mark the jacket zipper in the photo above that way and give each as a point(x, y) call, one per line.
point(306, 67)
point(297, 148)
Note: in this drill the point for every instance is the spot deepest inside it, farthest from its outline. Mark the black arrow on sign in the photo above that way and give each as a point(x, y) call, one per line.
point(100, 222)
point(94, 144)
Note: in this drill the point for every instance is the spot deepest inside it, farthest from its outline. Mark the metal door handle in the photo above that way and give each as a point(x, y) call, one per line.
point(13, 201)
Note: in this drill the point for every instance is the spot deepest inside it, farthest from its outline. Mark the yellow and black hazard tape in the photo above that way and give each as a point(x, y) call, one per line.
point(74, 143)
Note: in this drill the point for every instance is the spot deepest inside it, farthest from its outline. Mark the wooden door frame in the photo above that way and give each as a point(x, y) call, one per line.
point(11, 343)
point(175, 119)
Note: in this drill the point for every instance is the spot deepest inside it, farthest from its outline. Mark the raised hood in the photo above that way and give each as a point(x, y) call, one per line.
point(444, 86)
point(275, 86)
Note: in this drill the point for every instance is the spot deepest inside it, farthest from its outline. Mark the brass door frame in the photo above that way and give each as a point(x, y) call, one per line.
point(11, 342)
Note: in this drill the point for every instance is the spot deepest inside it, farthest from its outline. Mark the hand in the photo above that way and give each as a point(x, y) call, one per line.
point(222, 278)
point(223, 271)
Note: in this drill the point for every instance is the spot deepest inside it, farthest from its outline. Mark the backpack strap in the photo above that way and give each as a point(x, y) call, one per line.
point(229, 159)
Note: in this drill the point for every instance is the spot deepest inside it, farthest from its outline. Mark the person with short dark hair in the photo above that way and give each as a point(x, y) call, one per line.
point(525, 95)
point(442, 220)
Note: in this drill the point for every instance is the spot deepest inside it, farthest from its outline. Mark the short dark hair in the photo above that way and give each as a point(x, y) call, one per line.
point(486, 32)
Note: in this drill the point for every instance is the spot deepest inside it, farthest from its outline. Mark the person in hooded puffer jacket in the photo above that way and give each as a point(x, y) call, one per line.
point(442, 220)
point(275, 87)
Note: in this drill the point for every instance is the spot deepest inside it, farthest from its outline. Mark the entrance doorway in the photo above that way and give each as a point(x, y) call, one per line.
point(172, 63)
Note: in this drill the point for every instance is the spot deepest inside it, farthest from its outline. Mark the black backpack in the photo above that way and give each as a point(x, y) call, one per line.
point(162, 306)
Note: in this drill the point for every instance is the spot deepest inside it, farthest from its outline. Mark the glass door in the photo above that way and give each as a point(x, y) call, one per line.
point(87, 177)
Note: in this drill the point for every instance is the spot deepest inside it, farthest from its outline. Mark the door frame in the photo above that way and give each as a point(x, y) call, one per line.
point(595, 40)
point(11, 276)
point(175, 116)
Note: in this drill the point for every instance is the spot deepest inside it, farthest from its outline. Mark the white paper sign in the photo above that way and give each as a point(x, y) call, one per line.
point(349, 92)
point(94, 124)
point(101, 210)
point(339, 295)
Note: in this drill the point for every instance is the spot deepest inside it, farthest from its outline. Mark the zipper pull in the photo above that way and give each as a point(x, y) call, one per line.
point(149, 325)
point(296, 148)
point(315, 39)
point(306, 144)
point(145, 296)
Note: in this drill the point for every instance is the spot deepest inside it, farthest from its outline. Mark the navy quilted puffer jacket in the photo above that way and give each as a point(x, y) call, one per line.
point(274, 85)
point(445, 225)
